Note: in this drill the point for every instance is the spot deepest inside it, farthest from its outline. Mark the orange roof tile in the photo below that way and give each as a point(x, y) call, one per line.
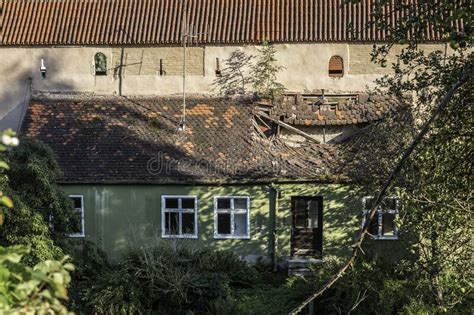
point(151, 22)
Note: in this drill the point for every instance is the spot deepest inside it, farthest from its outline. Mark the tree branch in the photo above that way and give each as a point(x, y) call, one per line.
point(423, 131)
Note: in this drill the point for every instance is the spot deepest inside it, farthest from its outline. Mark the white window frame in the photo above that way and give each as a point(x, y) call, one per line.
point(180, 211)
point(232, 211)
point(380, 213)
point(83, 231)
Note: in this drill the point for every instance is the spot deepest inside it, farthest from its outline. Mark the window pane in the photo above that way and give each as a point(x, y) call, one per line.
point(389, 204)
point(240, 203)
point(171, 203)
point(223, 203)
point(300, 213)
point(373, 225)
point(187, 203)
point(223, 223)
point(171, 223)
point(240, 224)
point(313, 209)
point(77, 202)
point(188, 223)
point(369, 203)
point(76, 227)
point(388, 224)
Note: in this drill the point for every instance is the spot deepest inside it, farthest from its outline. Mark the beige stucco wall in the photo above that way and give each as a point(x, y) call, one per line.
point(71, 69)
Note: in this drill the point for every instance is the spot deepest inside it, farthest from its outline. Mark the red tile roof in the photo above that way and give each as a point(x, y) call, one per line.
point(102, 139)
point(146, 22)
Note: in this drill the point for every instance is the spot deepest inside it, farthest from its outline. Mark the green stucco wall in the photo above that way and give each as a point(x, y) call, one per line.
point(121, 216)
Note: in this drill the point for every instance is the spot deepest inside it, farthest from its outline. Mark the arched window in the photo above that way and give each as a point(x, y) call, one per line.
point(336, 67)
point(100, 63)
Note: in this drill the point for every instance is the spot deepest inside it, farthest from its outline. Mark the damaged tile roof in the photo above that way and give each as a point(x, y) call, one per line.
point(317, 111)
point(147, 22)
point(105, 139)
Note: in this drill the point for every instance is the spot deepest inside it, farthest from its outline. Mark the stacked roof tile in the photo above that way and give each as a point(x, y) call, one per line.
point(323, 111)
point(148, 22)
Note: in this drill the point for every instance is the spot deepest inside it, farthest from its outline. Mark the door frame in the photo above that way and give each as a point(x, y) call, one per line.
point(317, 244)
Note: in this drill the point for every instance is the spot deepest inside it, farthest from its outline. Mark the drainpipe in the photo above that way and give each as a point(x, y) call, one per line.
point(274, 192)
point(120, 71)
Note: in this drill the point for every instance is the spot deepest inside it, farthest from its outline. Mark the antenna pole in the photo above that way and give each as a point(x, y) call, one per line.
point(184, 39)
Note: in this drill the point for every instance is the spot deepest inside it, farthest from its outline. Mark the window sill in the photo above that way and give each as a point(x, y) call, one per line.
point(76, 235)
point(225, 237)
point(386, 238)
point(180, 236)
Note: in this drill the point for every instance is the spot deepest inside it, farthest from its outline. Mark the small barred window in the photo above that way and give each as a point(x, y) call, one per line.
point(336, 67)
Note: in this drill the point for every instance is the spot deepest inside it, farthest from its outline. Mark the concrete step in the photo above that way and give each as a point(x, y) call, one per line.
point(303, 262)
point(298, 265)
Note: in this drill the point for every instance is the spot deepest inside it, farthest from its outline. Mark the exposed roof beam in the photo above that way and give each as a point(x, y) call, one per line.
point(289, 127)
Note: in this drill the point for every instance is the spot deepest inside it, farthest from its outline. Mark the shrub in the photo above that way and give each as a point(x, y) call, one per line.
point(30, 182)
point(171, 277)
point(37, 290)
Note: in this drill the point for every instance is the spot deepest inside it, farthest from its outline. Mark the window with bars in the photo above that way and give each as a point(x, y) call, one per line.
point(383, 226)
point(336, 67)
point(78, 204)
point(179, 216)
point(232, 217)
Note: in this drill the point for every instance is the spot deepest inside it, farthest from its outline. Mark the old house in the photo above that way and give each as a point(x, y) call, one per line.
point(98, 81)
point(228, 181)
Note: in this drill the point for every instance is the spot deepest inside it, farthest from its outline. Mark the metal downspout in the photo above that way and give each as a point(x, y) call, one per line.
point(273, 224)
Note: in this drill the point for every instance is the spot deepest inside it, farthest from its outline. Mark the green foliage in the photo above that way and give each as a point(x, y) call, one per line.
point(26, 290)
point(437, 202)
point(33, 176)
point(171, 277)
point(275, 293)
point(264, 73)
point(37, 290)
point(30, 182)
point(224, 306)
point(25, 226)
point(435, 185)
point(7, 138)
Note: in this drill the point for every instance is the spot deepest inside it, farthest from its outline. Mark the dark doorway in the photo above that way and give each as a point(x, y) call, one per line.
point(307, 226)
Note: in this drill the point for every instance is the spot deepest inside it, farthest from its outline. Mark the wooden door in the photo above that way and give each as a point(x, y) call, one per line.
point(307, 226)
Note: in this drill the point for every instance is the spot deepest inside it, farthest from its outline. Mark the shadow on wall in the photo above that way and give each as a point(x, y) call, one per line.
point(139, 233)
point(341, 214)
point(92, 144)
point(16, 93)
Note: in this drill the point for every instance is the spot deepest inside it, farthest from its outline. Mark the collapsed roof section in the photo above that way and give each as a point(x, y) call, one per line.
point(103, 139)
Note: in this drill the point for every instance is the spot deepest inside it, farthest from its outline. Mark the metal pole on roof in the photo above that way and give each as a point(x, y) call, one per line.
point(184, 39)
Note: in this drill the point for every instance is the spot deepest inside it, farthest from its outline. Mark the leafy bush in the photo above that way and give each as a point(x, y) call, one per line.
point(224, 306)
point(171, 277)
point(37, 290)
point(33, 176)
point(37, 202)
point(275, 293)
